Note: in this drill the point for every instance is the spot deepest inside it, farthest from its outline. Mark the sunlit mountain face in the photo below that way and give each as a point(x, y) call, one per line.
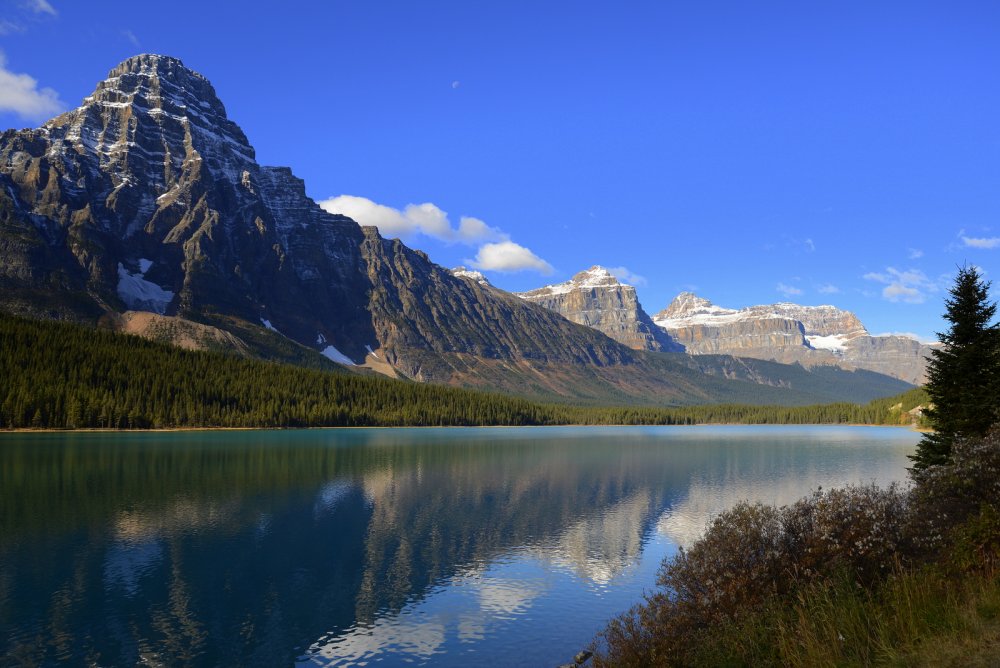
point(338, 547)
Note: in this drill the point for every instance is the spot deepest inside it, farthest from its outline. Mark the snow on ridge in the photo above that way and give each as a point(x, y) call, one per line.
point(478, 276)
point(267, 325)
point(595, 277)
point(335, 355)
point(715, 317)
point(688, 310)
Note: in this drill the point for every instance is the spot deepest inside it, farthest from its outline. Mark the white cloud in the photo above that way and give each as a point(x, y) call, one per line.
point(390, 222)
point(981, 242)
point(472, 230)
point(910, 286)
point(130, 36)
point(623, 274)
point(788, 290)
point(914, 253)
point(427, 219)
point(810, 246)
point(42, 7)
point(9, 27)
point(455, 84)
point(897, 292)
point(497, 252)
point(507, 256)
point(828, 289)
point(20, 93)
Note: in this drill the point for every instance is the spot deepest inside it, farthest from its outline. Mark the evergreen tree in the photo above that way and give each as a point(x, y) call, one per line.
point(962, 375)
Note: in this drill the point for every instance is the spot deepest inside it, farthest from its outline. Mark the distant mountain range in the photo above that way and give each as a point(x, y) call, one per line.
point(144, 210)
point(783, 332)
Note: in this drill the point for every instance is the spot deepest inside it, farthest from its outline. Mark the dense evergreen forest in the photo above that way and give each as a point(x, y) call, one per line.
point(66, 376)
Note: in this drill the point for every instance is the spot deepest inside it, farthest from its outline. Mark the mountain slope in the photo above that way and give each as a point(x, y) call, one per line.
point(147, 197)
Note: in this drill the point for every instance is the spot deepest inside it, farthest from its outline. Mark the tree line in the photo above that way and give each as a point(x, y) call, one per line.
point(65, 376)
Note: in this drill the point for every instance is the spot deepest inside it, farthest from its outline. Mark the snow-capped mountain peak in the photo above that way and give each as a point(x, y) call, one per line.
point(477, 276)
point(588, 279)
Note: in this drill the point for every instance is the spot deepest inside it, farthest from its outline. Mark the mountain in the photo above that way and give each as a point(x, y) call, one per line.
point(596, 298)
point(786, 332)
point(148, 198)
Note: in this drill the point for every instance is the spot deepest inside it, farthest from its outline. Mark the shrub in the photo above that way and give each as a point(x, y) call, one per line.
point(858, 530)
point(749, 557)
point(948, 495)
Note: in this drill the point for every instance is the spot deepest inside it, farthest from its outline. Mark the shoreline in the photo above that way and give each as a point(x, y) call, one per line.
point(167, 430)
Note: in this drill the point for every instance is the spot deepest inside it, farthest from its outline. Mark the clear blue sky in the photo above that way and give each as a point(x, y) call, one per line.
point(838, 152)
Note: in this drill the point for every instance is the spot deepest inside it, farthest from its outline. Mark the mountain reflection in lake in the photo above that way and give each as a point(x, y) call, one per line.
point(339, 547)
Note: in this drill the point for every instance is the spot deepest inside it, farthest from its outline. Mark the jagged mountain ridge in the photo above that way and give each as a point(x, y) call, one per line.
point(788, 332)
point(596, 298)
point(147, 197)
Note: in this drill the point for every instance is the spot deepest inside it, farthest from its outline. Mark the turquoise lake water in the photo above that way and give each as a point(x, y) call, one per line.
point(379, 547)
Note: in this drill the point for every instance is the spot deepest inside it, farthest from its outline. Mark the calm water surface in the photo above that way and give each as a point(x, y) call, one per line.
point(451, 547)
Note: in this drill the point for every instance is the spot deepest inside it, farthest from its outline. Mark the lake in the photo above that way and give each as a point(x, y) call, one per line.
point(445, 547)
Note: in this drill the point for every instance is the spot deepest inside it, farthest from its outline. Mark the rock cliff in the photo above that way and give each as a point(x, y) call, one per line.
point(787, 332)
point(597, 299)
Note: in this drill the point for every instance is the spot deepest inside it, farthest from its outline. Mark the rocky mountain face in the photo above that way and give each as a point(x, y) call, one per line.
point(148, 198)
point(144, 209)
point(787, 332)
point(597, 299)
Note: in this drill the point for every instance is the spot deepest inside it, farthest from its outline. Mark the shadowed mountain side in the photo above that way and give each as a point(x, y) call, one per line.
point(821, 383)
point(416, 304)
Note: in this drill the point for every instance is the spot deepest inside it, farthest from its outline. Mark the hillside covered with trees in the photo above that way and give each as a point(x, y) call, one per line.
point(65, 376)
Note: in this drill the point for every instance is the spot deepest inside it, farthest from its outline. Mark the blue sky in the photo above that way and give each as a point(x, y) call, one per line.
point(844, 153)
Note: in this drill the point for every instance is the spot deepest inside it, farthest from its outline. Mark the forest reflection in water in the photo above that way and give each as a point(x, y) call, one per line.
point(451, 546)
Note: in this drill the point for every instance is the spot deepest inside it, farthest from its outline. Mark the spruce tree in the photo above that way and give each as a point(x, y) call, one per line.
point(963, 374)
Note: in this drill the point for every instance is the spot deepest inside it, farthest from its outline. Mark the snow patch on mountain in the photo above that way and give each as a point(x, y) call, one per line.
point(335, 355)
point(835, 342)
point(477, 276)
point(140, 294)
